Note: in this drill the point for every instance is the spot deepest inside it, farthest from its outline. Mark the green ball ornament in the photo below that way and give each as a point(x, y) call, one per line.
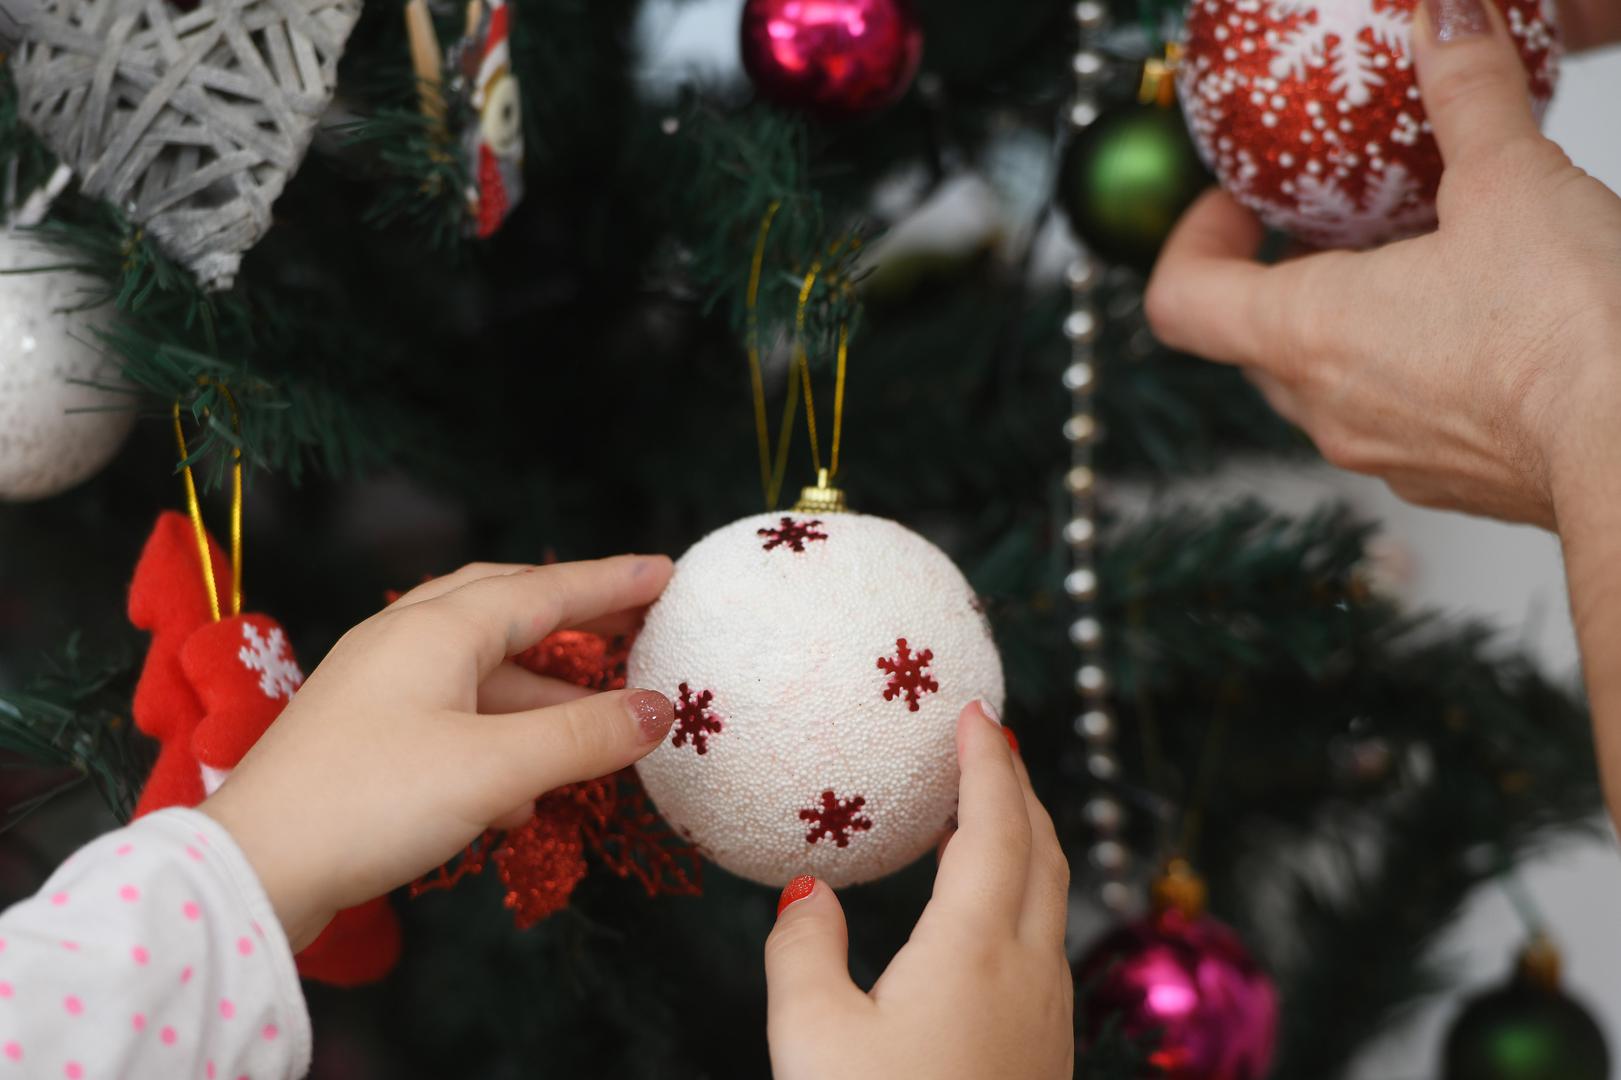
point(1126, 178)
point(1527, 1029)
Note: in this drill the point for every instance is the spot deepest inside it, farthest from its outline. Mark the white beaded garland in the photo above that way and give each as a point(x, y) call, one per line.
point(55, 430)
point(786, 622)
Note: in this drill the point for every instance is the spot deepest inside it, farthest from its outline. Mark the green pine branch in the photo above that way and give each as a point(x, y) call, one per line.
point(72, 723)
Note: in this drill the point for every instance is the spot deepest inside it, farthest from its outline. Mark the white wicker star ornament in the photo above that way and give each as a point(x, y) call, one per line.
point(191, 122)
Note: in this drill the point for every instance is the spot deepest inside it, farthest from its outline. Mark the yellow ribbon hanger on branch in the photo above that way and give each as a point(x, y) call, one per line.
point(823, 497)
point(195, 511)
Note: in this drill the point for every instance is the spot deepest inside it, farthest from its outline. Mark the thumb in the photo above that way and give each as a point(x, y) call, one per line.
point(807, 956)
point(1474, 84)
point(529, 753)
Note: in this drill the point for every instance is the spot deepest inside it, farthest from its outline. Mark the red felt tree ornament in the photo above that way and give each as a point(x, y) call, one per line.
point(214, 680)
point(208, 690)
point(210, 687)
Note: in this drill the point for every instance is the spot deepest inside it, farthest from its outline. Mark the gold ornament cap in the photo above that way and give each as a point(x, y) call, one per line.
point(1158, 85)
point(1180, 889)
point(821, 499)
point(1540, 963)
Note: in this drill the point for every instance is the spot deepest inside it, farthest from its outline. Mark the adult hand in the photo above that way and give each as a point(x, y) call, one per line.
point(1590, 23)
point(414, 735)
point(981, 989)
point(1473, 368)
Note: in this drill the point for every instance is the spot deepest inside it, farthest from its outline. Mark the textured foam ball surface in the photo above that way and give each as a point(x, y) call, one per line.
point(47, 354)
point(1310, 114)
point(818, 666)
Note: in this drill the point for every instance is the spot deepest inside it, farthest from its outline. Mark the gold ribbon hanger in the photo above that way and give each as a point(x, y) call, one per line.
point(195, 510)
point(773, 467)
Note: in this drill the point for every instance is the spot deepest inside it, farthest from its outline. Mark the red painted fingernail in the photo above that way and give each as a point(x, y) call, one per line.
point(653, 712)
point(797, 889)
point(1012, 739)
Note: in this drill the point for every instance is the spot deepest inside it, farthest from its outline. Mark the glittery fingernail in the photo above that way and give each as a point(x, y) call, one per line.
point(1454, 20)
point(653, 713)
point(797, 889)
point(1012, 739)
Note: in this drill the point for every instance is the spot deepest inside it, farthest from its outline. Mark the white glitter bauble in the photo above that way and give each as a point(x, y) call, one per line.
point(818, 665)
point(48, 352)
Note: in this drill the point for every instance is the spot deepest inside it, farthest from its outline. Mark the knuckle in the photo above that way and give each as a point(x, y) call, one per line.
point(791, 936)
point(1338, 447)
point(581, 737)
point(437, 619)
point(1457, 87)
point(1162, 302)
point(1057, 869)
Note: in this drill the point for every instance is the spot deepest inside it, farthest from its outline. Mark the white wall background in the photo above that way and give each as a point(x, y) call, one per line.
point(1507, 574)
point(1513, 576)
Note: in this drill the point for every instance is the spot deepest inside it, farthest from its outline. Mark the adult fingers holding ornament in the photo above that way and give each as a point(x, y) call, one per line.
point(981, 989)
point(1454, 364)
point(1477, 367)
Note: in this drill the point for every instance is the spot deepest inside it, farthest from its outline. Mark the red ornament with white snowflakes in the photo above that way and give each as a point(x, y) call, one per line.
point(1310, 114)
point(817, 664)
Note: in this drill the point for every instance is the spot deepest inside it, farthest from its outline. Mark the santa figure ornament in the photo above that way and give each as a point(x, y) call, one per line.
point(817, 662)
point(1310, 114)
point(492, 116)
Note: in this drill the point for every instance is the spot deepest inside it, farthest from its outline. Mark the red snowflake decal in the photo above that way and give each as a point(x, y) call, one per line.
point(792, 534)
point(907, 674)
point(836, 819)
point(693, 720)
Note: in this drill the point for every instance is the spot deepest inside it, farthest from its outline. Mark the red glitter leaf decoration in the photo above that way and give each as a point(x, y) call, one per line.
point(542, 861)
point(579, 657)
point(637, 843)
point(693, 720)
point(836, 819)
point(469, 862)
point(791, 534)
point(907, 674)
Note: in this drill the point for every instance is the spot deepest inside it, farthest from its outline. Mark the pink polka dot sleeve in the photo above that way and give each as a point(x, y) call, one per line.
point(152, 952)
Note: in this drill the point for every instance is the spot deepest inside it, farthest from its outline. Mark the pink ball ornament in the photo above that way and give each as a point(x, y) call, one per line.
point(836, 58)
point(818, 664)
point(1189, 983)
point(1309, 111)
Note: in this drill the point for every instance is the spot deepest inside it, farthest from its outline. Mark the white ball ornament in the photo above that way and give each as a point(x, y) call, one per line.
point(48, 355)
point(818, 664)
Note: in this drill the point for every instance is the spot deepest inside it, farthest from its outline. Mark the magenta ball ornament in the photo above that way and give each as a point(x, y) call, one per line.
point(1187, 986)
point(836, 59)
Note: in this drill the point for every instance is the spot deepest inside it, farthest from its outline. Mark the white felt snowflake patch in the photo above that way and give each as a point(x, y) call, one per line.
point(279, 673)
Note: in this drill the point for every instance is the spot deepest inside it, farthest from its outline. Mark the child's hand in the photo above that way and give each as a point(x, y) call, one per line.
point(414, 735)
point(983, 987)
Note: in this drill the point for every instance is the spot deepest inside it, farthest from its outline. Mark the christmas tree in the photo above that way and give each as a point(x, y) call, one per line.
point(504, 307)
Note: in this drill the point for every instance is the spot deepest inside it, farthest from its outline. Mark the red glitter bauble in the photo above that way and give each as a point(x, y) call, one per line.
point(836, 58)
point(1309, 111)
point(1189, 987)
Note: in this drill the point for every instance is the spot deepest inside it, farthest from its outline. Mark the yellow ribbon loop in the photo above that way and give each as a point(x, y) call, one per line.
point(774, 466)
point(195, 510)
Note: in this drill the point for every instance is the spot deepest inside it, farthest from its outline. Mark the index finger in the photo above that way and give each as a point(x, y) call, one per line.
point(984, 869)
point(1202, 298)
point(511, 612)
